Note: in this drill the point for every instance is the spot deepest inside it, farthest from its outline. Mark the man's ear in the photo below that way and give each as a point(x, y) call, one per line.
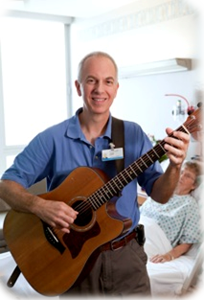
point(78, 88)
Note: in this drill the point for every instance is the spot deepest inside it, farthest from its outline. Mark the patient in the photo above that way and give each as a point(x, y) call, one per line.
point(179, 218)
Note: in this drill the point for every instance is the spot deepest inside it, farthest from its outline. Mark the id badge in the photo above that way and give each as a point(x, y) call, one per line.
point(112, 154)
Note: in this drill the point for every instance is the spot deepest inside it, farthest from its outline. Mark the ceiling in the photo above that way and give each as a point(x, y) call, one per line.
point(71, 8)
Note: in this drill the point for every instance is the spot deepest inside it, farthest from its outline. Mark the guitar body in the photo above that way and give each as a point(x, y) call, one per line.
point(51, 260)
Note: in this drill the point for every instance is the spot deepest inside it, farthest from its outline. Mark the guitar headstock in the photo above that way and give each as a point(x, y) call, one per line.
point(194, 121)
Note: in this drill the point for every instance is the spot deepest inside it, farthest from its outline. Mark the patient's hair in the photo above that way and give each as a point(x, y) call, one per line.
point(194, 167)
point(200, 164)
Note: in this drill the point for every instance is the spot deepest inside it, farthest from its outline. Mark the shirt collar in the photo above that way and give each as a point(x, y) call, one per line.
point(74, 129)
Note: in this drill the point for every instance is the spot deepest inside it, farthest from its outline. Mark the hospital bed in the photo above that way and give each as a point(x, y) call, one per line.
point(180, 276)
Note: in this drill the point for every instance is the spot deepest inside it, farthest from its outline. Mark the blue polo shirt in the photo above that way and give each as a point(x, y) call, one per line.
point(54, 153)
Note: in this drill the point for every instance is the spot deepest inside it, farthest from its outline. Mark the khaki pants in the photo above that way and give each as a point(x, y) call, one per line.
point(115, 273)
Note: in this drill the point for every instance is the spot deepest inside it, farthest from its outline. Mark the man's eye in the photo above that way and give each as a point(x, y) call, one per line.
point(90, 80)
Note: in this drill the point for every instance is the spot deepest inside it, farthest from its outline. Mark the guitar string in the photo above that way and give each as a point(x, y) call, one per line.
point(133, 169)
point(122, 178)
point(118, 181)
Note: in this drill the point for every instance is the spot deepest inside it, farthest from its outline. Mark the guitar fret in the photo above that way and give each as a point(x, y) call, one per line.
point(150, 158)
point(120, 180)
point(136, 168)
point(155, 153)
point(93, 203)
point(124, 178)
point(144, 163)
point(106, 192)
point(139, 168)
point(117, 187)
point(133, 170)
point(129, 174)
point(109, 183)
point(104, 197)
point(120, 183)
point(99, 200)
point(100, 196)
point(185, 129)
point(109, 190)
point(162, 147)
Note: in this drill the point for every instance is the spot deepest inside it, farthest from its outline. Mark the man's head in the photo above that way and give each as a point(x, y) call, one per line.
point(95, 54)
point(97, 82)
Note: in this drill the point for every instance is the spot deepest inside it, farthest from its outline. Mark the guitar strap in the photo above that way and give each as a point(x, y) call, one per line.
point(117, 136)
point(14, 276)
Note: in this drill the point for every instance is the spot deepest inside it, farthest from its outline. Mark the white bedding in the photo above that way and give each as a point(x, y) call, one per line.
point(166, 278)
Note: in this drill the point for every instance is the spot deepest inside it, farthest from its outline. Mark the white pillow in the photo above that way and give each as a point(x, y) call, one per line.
point(198, 194)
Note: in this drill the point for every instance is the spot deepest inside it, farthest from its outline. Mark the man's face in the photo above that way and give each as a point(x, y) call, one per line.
point(98, 85)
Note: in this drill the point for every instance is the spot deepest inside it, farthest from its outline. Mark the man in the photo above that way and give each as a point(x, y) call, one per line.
point(80, 141)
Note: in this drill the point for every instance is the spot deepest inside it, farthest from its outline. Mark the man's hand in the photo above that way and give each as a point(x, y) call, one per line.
point(55, 213)
point(176, 146)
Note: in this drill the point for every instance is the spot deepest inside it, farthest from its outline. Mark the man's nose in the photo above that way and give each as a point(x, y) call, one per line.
point(99, 88)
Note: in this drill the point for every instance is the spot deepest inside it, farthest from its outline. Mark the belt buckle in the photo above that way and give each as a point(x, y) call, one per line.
point(112, 247)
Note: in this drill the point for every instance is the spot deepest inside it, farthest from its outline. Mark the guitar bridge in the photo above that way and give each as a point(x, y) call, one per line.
point(52, 238)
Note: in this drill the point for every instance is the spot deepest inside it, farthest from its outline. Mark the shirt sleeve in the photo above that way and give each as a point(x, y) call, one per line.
point(31, 165)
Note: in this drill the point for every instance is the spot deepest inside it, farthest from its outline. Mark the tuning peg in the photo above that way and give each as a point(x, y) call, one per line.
point(190, 109)
point(199, 104)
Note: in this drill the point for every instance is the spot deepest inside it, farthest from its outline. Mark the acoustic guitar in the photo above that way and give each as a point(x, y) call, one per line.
point(51, 260)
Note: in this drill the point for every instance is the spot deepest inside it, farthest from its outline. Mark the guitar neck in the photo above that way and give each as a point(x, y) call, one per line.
point(116, 184)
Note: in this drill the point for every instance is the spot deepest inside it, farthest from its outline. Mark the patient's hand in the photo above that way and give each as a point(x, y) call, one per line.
point(161, 258)
point(172, 254)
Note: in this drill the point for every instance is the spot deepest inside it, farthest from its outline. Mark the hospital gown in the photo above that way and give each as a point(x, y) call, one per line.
point(179, 218)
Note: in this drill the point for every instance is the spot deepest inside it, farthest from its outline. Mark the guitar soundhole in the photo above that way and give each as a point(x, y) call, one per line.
point(85, 213)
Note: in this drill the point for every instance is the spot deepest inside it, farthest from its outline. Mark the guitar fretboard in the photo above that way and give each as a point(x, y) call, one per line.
point(116, 184)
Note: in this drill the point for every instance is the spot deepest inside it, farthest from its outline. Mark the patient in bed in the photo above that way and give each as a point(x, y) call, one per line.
point(179, 218)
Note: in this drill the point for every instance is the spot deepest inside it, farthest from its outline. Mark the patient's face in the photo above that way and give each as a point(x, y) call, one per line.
point(186, 181)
